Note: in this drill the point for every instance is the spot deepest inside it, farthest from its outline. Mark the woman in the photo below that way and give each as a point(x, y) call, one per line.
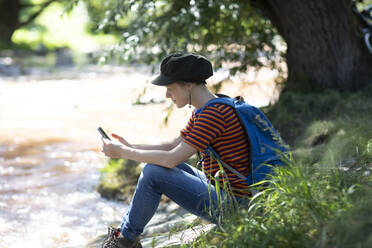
point(216, 125)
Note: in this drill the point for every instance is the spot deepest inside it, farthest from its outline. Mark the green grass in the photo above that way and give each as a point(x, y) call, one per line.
point(299, 209)
point(323, 197)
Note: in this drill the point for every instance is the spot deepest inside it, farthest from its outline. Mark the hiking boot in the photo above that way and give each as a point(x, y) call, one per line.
point(115, 239)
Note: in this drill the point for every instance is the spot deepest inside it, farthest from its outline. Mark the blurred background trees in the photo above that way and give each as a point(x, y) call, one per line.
point(231, 33)
point(324, 47)
point(317, 42)
point(15, 14)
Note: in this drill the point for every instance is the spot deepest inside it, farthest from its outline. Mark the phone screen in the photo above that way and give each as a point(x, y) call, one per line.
point(103, 133)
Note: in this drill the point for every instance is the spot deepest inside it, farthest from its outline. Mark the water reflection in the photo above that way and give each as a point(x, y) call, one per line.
point(48, 198)
point(50, 154)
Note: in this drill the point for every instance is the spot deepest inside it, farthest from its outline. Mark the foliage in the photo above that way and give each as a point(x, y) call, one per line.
point(70, 26)
point(119, 179)
point(300, 208)
point(20, 13)
point(231, 33)
point(296, 111)
point(353, 229)
point(318, 200)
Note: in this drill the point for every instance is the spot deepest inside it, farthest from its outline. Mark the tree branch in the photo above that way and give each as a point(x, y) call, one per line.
point(269, 11)
point(37, 13)
point(29, 5)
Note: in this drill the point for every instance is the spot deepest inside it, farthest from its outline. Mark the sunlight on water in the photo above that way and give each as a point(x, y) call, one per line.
point(52, 200)
point(50, 155)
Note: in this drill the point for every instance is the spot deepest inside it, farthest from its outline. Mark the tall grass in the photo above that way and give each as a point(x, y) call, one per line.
point(322, 198)
point(300, 208)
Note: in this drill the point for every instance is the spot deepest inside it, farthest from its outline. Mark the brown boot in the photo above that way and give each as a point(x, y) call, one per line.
point(114, 239)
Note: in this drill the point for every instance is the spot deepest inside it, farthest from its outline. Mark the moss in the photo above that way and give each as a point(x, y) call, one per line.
point(295, 112)
point(328, 128)
point(119, 178)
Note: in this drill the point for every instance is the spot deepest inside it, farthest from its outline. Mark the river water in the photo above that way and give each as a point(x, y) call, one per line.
point(50, 148)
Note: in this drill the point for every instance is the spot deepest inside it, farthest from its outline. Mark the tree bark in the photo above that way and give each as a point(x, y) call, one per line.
point(324, 48)
point(10, 12)
point(9, 18)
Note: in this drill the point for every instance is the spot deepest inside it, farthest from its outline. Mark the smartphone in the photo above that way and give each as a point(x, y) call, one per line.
point(103, 133)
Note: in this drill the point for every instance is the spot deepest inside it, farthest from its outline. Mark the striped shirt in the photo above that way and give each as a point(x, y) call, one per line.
point(218, 126)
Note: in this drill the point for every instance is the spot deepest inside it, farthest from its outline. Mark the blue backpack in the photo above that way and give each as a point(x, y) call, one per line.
point(266, 145)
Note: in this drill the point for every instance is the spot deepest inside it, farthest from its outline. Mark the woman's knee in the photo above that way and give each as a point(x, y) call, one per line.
point(152, 174)
point(151, 170)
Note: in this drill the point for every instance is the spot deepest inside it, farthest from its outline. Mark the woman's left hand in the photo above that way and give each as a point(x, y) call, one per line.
point(112, 149)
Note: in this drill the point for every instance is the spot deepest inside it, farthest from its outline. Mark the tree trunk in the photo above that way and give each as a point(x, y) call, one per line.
point(324, 48)
point(9, 18)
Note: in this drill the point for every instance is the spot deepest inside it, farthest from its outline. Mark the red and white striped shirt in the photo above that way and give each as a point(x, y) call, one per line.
point(218, 126)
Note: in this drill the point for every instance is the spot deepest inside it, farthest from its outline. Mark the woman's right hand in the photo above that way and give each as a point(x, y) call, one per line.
point(121, 139)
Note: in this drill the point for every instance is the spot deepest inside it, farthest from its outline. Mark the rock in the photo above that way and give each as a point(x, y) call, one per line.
point(9, 68)
point(168, 216)
point(64, 57)
point(170, 226)
point(119, 179)
point(41, 50)
point(177, 239)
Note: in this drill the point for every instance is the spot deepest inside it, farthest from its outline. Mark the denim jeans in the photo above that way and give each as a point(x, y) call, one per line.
point(184, 184)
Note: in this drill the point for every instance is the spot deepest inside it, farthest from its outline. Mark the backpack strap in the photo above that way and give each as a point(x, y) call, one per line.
point(213, 154)
point(223, 99)
point(216, 157)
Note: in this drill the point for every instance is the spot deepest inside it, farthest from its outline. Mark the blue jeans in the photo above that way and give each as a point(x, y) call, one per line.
point(184, 184)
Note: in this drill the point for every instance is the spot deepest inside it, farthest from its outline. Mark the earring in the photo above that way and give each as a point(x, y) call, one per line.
point(189, 99)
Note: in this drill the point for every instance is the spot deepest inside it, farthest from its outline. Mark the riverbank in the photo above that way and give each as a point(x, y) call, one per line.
point(322, 199)
point(50, 148)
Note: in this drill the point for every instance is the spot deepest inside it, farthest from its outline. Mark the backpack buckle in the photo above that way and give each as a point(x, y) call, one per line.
point(239, 99)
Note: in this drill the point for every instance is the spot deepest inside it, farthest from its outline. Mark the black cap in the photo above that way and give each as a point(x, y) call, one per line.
point(181, 67)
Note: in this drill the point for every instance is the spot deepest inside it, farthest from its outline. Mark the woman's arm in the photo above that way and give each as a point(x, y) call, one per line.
point(165, 146)
point(168, 159)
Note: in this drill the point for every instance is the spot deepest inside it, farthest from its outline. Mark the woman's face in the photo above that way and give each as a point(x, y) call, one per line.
point(179, 93)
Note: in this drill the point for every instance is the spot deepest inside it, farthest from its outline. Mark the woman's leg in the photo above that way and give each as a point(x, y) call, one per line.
point(192, 170)
point(184, 184)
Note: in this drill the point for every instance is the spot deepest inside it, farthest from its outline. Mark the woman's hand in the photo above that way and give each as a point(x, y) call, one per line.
point(121, 139)
point(112, 149)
